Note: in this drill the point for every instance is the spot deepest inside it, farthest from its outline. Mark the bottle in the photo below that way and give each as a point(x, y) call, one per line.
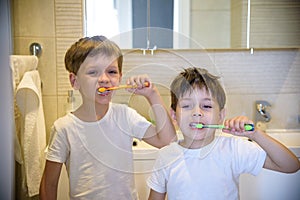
point(70, 105)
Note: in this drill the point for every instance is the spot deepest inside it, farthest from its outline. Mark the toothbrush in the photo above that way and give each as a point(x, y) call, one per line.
point(103, 89)
point(247, 127)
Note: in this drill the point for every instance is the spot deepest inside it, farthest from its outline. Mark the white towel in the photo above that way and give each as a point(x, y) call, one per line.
point(33, 133)
point(20, 64)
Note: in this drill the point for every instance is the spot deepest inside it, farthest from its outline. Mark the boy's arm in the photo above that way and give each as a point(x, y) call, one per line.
point(163, 132)
point(279, 157)
point(49, 182)
point(156, 195)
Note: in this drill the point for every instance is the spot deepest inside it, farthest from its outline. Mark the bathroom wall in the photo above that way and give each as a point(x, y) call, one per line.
point(267, 74)
point(55, 24)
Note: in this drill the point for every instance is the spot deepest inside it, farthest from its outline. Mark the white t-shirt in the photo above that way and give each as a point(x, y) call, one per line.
point(209, 173)
point(98, 155)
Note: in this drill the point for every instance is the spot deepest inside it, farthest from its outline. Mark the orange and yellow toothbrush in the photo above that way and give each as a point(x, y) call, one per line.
point(103, 89)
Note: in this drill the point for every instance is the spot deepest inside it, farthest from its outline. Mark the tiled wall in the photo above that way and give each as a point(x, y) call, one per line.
point(55, 24)
point(272, 75)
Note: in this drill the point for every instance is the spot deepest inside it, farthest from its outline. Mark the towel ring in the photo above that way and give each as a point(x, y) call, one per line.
point(35, 49)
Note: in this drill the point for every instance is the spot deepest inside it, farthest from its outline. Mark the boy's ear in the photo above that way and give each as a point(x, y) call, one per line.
point(73, 81)
point(222, 114)
point(173, 114)
point(120, 79)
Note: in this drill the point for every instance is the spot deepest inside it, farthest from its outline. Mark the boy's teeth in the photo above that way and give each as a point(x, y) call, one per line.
point(193, 124)
point(103, 93)
point(198, 125)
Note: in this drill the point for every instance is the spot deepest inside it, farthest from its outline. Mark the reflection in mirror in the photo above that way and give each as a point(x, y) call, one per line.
point(194, 19)
point(275, 23)
point(210, 24)
point(130, 20)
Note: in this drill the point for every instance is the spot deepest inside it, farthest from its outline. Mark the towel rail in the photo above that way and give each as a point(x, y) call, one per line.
point(35, 49)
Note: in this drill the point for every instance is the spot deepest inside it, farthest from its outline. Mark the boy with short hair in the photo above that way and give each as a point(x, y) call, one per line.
point(95, 141)
point(203, 166)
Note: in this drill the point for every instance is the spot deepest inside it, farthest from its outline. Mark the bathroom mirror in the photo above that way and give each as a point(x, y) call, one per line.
point(214, 24)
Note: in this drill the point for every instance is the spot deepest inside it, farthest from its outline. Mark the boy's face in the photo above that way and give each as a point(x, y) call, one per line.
point(198, 107)
point(96, 71)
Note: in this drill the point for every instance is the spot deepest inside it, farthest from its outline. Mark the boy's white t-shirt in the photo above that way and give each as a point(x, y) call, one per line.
point(209, 173)
point(98, 155)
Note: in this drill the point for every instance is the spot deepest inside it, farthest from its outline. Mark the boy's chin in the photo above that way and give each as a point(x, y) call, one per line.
point(103, 101)
point(202, 136)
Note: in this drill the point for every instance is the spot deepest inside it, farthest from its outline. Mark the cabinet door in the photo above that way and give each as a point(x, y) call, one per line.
point(275, 24)
point(153, 24)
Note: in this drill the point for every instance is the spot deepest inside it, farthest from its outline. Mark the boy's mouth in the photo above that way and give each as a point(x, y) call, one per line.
point(103, 91)
point(196, 125)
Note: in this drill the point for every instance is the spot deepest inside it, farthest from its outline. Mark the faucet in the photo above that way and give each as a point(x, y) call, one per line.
point(261, 113)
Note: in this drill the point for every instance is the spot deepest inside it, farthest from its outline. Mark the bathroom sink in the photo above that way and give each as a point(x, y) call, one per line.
point(274, 185)
point(142, 150)
point(288, 137)
point(267, 185)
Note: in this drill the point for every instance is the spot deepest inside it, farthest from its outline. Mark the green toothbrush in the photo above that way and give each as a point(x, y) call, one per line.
point(247, 127)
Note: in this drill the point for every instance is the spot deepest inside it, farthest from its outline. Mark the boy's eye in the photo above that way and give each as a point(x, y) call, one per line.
point(113, 72)
point(186, 105)
point(92, 72)
point(207, 106)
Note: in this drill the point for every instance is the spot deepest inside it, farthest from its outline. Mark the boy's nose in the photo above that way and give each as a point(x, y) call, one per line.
point(103, 78)
point(197, 112)
point(197, 115)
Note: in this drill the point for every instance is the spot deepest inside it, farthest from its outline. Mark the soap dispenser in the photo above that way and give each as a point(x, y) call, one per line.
point(70, 105)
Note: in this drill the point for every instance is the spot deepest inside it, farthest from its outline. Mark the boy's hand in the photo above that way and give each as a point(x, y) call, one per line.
point(235, 126)
point(140, 81)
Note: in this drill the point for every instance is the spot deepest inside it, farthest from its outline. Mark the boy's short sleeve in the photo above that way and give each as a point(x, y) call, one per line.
point(57, 150)
point(137, 123)
point(157, 180)
point(250, 157)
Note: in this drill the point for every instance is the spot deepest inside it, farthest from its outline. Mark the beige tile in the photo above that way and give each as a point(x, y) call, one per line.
point(33, 18)
point(210, 5)
point(50, 112)
point(283, 115)
point(61, 105)
point(47, 66)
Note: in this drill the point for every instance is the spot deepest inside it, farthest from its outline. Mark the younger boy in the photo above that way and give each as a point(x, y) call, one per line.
point(202, 166)
point(95, 141)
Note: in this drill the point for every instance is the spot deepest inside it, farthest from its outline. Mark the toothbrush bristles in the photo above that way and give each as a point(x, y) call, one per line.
point(199, 125)
point(101, 90)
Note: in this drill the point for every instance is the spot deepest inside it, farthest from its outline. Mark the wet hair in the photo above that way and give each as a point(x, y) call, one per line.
point(91, 46)
point(192, 78)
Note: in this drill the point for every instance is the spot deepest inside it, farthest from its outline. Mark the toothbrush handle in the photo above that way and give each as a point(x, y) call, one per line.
point(248, 127)
point(146, 84)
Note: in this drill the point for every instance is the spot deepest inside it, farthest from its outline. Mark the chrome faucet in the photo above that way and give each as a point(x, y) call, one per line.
point(261, 113)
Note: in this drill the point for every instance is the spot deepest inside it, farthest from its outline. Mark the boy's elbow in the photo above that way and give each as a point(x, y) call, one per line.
point(295, 168)
point(292, 168)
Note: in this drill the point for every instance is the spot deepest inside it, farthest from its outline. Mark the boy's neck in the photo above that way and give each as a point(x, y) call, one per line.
point(91, 113)
point(196, 144)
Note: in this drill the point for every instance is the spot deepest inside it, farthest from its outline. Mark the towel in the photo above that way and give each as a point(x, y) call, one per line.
point(33, 132)
point(19, 64)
